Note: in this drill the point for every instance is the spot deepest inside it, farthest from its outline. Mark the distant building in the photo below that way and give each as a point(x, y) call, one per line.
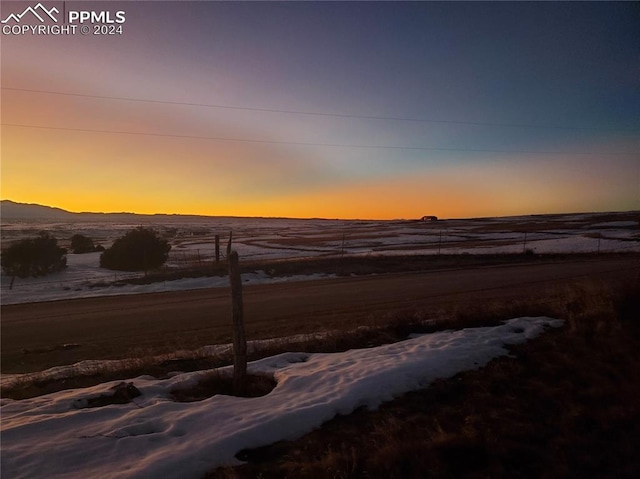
point(429, 218)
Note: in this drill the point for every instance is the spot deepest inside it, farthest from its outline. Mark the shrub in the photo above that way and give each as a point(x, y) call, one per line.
point(82, 244)
point(34, 257)
point(138, 250)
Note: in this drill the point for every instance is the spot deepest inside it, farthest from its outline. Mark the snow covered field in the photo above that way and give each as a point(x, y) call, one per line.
point(192, 243)
point(59, 436)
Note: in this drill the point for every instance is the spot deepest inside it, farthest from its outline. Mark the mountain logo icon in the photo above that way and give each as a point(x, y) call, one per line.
point(39, 11)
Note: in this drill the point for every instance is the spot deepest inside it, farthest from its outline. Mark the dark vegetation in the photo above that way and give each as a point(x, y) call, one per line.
point(138, 250)
point(37, 256)
point(81, 244)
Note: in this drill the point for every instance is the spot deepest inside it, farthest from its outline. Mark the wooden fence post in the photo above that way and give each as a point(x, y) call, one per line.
point(217, 248)
point(239, 340)
point(229, 244)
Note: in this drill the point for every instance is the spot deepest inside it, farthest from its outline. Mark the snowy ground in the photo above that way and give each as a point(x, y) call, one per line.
point(192, 243)
point(58, 436)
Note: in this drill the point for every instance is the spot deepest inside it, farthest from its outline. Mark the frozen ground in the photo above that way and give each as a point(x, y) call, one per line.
point(59, 436)
point(192, 243)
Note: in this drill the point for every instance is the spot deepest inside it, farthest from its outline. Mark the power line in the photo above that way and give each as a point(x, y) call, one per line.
point(330, 145)
point(325, 114)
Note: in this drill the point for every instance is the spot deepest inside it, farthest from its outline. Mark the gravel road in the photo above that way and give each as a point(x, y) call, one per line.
point(40, 335)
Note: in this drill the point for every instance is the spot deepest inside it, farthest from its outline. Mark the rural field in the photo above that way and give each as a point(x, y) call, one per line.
point(265, 244)
point(491, 347)
point(319, 240)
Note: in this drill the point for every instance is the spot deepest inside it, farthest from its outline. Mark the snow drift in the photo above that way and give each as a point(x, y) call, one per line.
point(153, 436)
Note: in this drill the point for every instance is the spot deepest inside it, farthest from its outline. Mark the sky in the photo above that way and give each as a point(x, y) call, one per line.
point(372, 110)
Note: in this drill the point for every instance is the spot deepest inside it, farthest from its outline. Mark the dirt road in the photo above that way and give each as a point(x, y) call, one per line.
point(40, 335)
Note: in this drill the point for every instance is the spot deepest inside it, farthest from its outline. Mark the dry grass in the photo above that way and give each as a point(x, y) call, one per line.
point(566, 407)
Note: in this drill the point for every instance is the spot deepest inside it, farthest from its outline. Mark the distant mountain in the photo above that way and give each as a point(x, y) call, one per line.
point(12, 210)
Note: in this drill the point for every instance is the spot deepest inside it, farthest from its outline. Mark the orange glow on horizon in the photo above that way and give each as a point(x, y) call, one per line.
point(105, 172)
point(410, 197)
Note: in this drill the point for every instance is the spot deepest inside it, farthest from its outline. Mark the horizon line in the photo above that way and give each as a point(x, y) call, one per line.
point(304, 218)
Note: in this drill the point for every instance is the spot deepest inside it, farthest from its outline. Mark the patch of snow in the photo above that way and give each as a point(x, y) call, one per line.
point(157, 437)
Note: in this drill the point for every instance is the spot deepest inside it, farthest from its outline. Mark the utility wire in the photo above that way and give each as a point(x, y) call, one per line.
point(331, 145)
point(325, 114)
